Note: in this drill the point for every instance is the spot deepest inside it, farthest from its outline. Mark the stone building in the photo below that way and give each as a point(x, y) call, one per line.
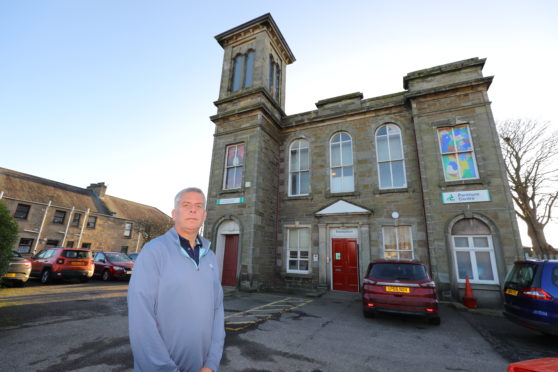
point(53, 214)
point(307, 200)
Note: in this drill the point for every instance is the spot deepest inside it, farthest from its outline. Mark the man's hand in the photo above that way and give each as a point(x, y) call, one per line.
point(206, 369)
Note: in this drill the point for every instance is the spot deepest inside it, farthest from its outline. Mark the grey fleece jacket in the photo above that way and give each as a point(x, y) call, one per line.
point(175, 308)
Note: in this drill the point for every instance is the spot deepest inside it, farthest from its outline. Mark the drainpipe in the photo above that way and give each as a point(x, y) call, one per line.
point(41, 228)
point(67, 227)
point(138, 242)
point(82, 227)
point(423, 203)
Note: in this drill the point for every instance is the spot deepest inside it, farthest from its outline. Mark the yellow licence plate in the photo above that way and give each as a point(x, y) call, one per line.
point(398, 289)
point(77, 263)
point(10, 275)
point(512, 292)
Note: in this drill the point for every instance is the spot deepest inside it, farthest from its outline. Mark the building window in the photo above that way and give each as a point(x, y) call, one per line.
point(59, 217)
point(243, 71)
point(128, 229)
point(298, 250)
point(341, 160)
point(52, 243)
point(391, 162)
point(25, 245)
point(76, 219)
point(86, 245)
point(91, 222)
point(299, 168)
point(474, 252)
point(458, 156)
point(249, 69)
point(70, 244)
point(398, 242)
point(274, 78)
point(22, 211)
point(124, 249)
point(234, 167)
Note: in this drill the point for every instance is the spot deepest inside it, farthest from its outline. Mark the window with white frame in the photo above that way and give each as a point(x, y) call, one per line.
point(473, 252)
point(342, 177)
point(389, 154)
point(298, 250)
point(458, 155)
point(398, 242)
point(128, 230)
point(299, 168)
point(234, 167)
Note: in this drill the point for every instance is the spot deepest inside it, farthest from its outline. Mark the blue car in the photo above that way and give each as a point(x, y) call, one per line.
point(531, 295)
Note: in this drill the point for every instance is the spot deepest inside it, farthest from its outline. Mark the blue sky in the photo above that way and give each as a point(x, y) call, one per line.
point(120, 91)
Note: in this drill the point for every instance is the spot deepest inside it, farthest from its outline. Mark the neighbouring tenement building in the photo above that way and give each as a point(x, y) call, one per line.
point(54, 214)
point(307, 200)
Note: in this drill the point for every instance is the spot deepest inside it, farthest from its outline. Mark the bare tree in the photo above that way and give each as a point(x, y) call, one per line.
point(152, 228)
point(530, 150)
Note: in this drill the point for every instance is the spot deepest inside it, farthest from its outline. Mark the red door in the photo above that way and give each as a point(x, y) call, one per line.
point(345, 265)
point(230, 260)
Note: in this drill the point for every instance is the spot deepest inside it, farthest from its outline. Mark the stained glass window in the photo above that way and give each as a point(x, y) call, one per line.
point(458, 156)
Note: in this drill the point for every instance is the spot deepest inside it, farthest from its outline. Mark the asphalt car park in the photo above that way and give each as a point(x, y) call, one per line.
point(83, 327)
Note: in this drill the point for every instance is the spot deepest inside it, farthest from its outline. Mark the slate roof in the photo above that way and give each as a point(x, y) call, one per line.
point(30, 188)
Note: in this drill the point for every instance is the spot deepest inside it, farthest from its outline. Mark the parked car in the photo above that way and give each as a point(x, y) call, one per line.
point(531, 295)
point(113, 265)
point(133, 256)
point(62, 263)
point(18, 271)
point(399, 286)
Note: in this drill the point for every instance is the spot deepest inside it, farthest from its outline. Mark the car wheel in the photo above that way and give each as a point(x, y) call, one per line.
point(105, 276)
point(435, 321)
point(369, 314)
point(46, 276)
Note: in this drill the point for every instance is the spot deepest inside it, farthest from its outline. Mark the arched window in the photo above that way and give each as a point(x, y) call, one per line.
point(299, 168)
point(243, 71)
point(391, 162)
point(341, 163)
point(473, 252)
point(249, 70)
point(237, 72)
point(274, 78)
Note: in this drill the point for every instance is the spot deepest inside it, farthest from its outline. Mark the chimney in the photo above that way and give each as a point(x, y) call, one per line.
point(98, 188)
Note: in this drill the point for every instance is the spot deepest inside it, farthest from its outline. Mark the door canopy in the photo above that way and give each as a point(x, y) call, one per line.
point(342, 207)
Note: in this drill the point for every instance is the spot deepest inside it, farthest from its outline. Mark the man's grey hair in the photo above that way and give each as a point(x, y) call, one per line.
point(184, 191)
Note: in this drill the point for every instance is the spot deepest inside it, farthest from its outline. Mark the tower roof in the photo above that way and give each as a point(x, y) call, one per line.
point(266, 21)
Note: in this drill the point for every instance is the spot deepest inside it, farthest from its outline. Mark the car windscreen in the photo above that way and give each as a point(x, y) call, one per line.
point(76, 254)
point(118, 257)
point(398, 271)
point(522, 274)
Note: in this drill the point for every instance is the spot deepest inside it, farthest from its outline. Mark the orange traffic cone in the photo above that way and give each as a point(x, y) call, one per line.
point(469, 300)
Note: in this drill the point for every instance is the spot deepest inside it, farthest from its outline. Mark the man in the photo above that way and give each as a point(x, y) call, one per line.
point(175, 299)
